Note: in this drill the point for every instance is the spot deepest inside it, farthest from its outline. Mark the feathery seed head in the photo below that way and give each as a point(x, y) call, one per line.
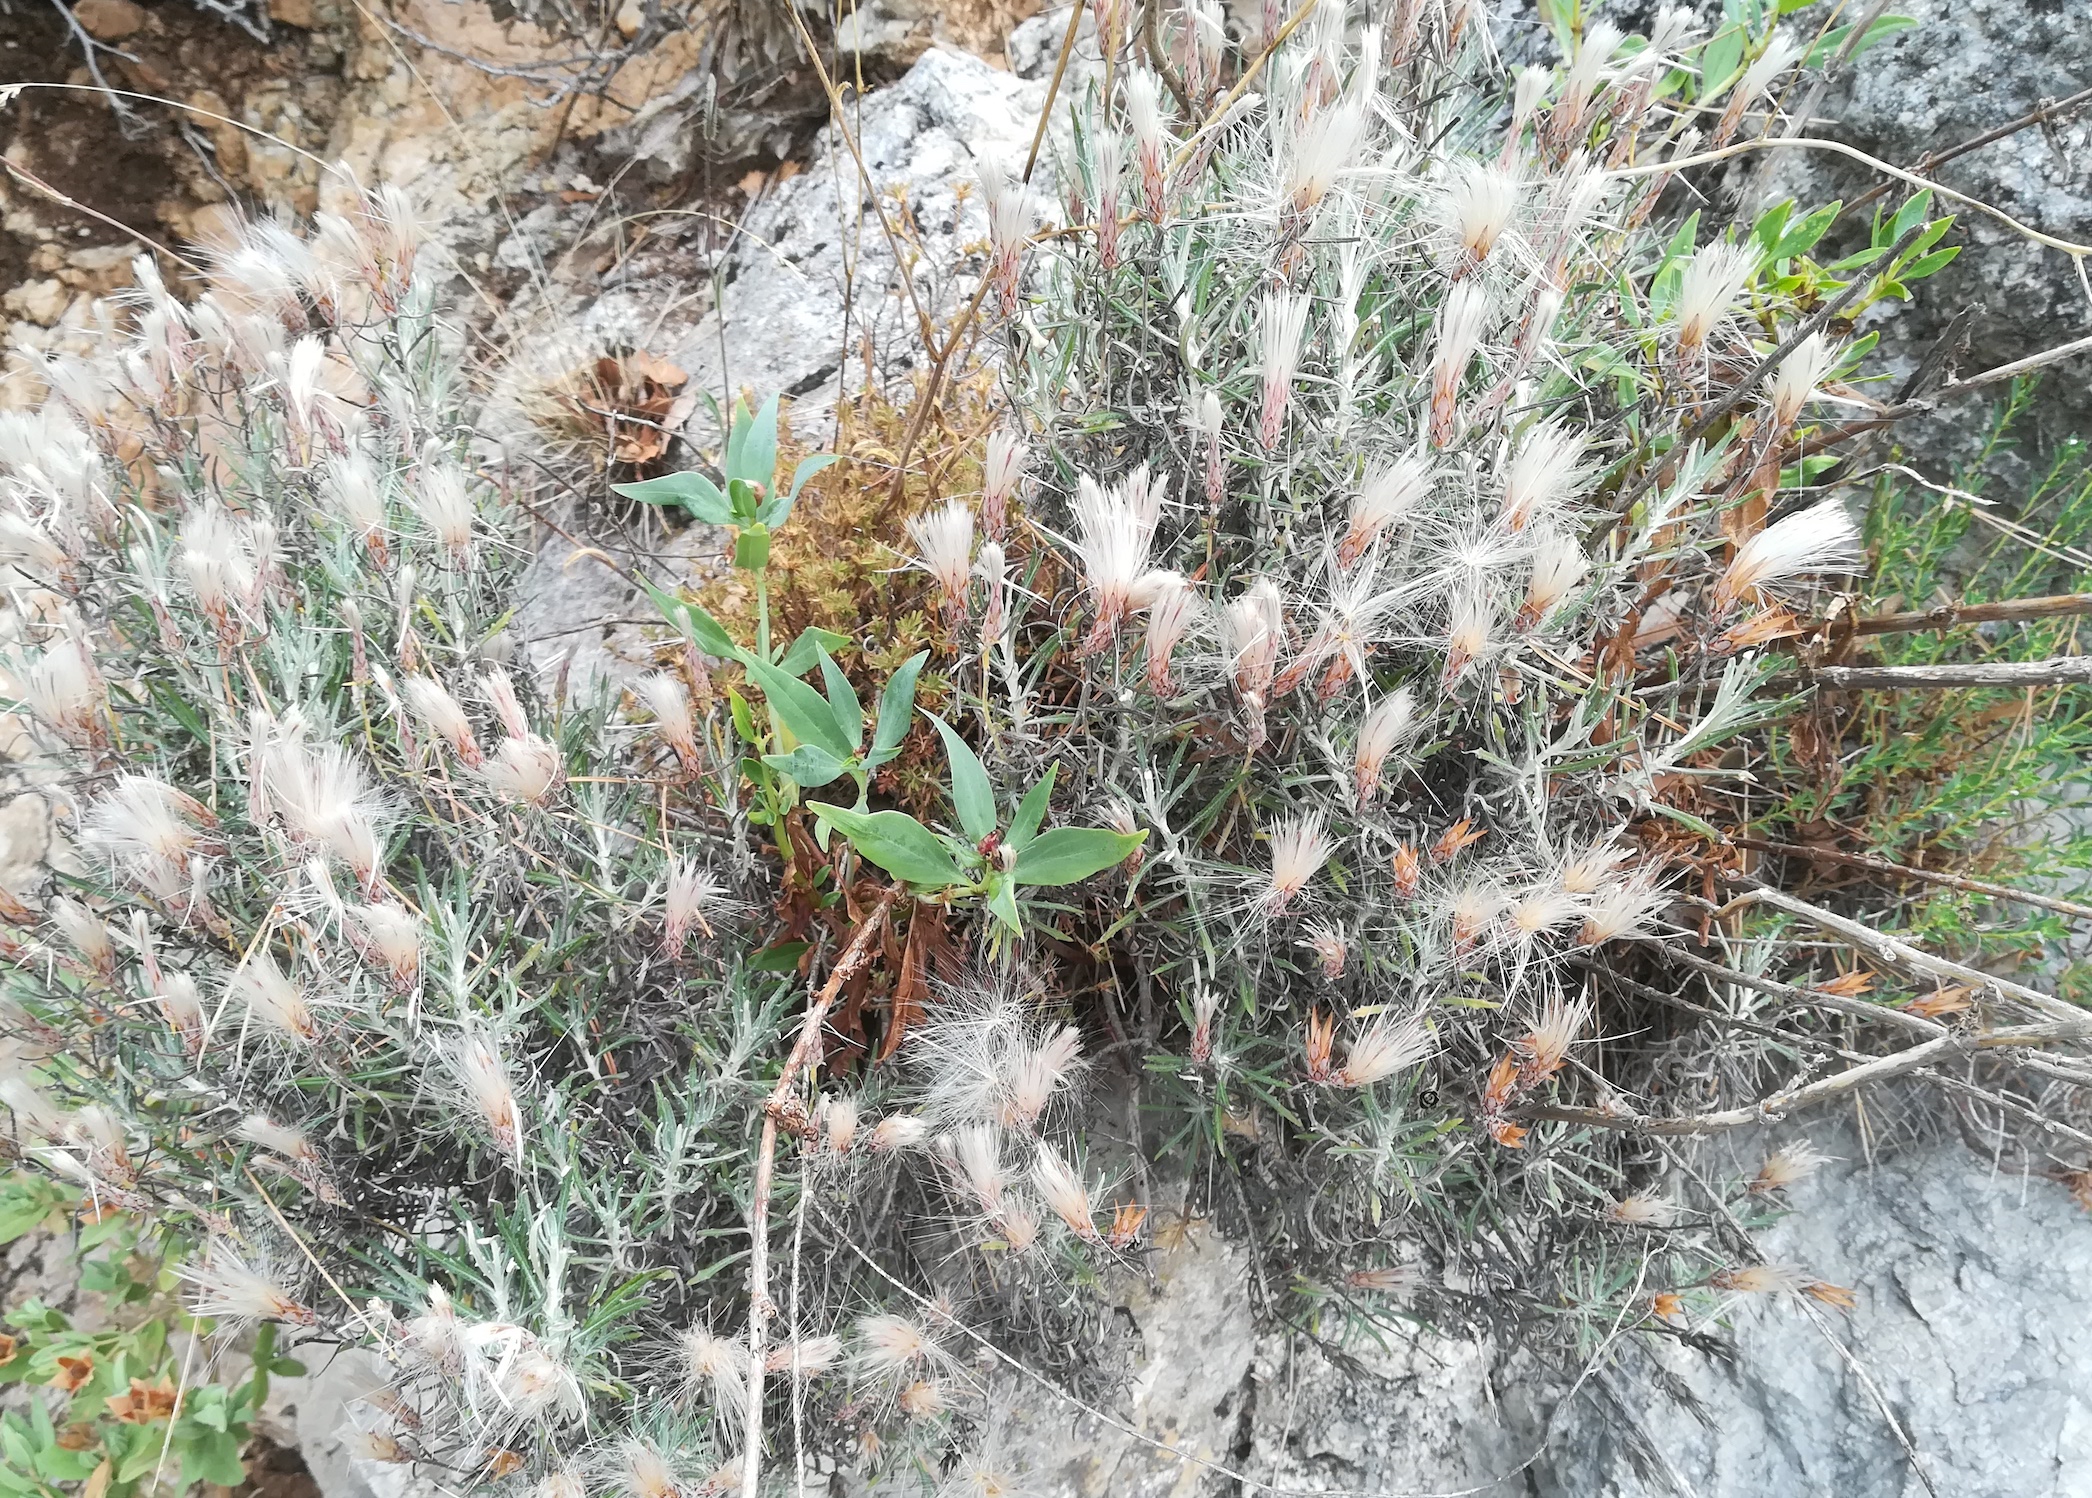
point(1821, 538)
point(1462, 319)
point(1789, 1165)
point(715, 1369)
point(227, 1288)
point(1283, 327)
point(1391, 720)
point(272, 1000)
point(1789, 387)
point(477, 1060)
point(1061, 1186)
point(1559, 565)
point(1622, 908)
point(1300, 845)
point(526, 770)
point(1383, 1048)
point(944, 549)
point(1644, 1209)
point(1540, 476)
point(1002, 470)
point(1707, 291)
point(1389, 494)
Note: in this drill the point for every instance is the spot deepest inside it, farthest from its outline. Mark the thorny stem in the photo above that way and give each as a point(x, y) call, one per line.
point(804, 1050)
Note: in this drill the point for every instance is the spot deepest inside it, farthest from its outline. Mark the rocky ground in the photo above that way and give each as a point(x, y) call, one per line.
point(719, 231)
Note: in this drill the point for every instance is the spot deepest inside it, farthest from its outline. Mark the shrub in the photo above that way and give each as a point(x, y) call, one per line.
point(1338, 674)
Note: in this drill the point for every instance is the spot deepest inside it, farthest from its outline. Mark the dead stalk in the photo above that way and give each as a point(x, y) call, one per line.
point(804, 1051)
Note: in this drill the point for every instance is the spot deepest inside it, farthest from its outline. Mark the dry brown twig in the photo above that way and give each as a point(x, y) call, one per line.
point(1924, 876)
point(804, 1050)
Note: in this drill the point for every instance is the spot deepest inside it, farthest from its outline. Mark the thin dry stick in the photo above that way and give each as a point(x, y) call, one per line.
point(1947, 615)
point(1897, 953)
point(2063, 670)
point(1770, 1109)
point(864, 173)
point(2075, 251)
point(1934, 160)
point(1813, 998)
point(1926, 876)
point(919, 417)
point(803, 1053)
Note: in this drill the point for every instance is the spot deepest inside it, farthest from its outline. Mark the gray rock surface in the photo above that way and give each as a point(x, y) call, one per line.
point(1971, 1334)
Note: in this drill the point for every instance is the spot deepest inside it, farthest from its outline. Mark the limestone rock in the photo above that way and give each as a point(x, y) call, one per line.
point(1971, 1333)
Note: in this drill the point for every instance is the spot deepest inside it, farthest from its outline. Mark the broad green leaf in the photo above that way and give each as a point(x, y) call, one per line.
point(1910, 215)
point(744, 720)
point(1002, 902)
point(693, 491)
point(1826, 51)
point(799, 659)
point(1720, 61)
point(1802, 238)
point(1925, 265)
point(736, 437)
point(842, 699)
point(758, 458)
point(212, 1458)
point(710, 635)
point(752, 549)
point(896, 711)
point(782, 958)
point(1774, 219)
point(1031, 811)
point(807, 766)
point(800, 708)
point(778, 508)
point(1068, 854)
point(809, 466)
point(973, 794)
point(896, 842)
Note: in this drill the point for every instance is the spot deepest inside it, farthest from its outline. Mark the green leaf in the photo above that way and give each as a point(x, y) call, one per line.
point(1802, 238)
point(1002, 903)
point(744, 720)
point(1925, 265)
point(1826, 51)
point(896, 711)
point(809, 766)
point(808, 467)
point(1767, 230)
point(752, 549)
point(711, 636)
point(800, 708)
point(1909, 216)
point(737, 426)
point(1068, 854)
point(896, 842)
point(757, 460)
point(799, 659)
point(212, 1458)
point(1031, 811)
point(973, 794)
point(842, 699)
point(782, 958)
point(777, 509)
point(693, 491)
point(1720, 61)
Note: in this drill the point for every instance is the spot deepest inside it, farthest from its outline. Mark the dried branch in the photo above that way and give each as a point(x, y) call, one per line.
point(1894, 952)
point(1948, 615)
point(779, 1104)
point(1933, 160)
point(2065, 670)
point(1924, 876)
point(1813, 998)
point(1768, 1110)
